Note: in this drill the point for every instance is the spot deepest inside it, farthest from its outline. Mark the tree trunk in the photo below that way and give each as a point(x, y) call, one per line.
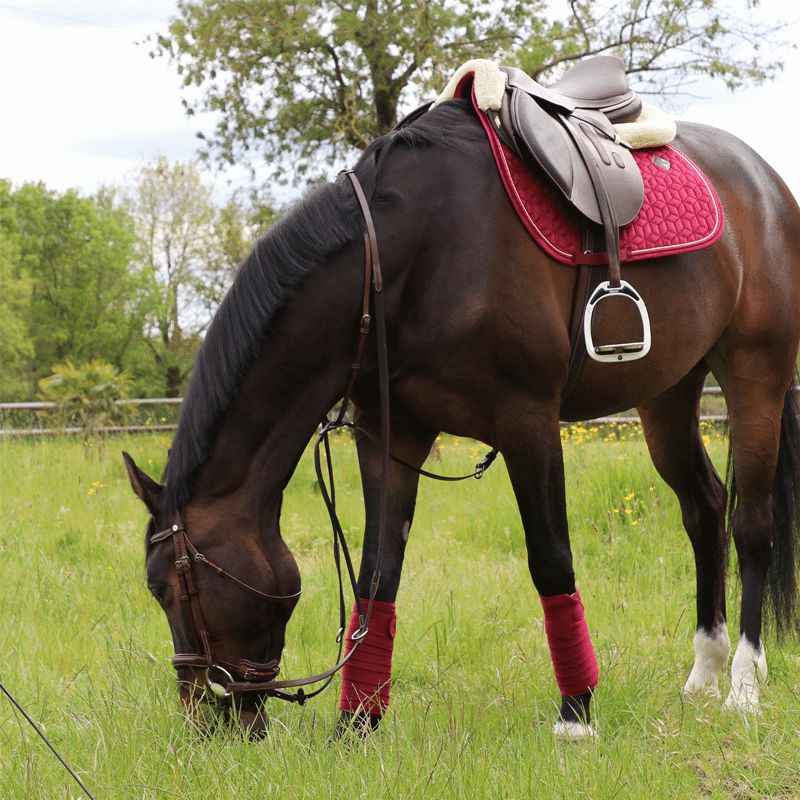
point(174, 379)
point(385, 109)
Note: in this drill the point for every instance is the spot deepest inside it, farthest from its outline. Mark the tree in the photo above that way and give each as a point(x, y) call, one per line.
point(68, 291)
point(309, 81)
point(188, 251)
point(16, 347)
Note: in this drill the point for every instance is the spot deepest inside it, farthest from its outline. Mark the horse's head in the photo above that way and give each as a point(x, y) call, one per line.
point(228, 585)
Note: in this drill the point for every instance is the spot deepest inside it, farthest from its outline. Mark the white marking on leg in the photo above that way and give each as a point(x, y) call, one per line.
point(405, 530)
point(749, 668)
point(573, 731)
point(711, 652)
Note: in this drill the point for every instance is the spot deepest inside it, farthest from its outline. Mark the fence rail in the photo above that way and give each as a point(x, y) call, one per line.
point(11, 412)
point(39, 405)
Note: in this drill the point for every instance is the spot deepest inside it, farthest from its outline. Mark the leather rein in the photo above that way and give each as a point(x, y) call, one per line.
point(225, 679)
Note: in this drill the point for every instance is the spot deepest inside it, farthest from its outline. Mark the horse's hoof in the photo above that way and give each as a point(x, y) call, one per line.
point(700, 691)
point(574, 731)
point(358, 724)
point(742, 702)
point(748, 671)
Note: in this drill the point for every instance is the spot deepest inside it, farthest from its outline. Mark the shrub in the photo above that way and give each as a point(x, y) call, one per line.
point(85, 397)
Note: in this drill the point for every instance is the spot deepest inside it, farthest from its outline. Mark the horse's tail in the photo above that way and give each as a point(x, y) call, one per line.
point(782, 593)
point(781, 601)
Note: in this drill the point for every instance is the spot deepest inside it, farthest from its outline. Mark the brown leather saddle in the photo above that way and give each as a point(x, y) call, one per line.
point(566, 131)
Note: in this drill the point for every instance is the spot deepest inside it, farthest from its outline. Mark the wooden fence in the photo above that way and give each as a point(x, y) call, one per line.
point(14, 412)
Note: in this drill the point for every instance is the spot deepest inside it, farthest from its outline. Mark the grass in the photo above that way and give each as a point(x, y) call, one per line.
point(86, 649)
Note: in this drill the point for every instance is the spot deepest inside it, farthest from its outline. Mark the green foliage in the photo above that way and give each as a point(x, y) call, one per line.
point(294, 78)
point(130, 279)
point(16, 345)
point(68, 289)
point(86, 396)
point(303, 84)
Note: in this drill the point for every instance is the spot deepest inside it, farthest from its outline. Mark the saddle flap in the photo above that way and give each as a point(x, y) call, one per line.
point(517, 79)
point(615, 165)
point(542, 138)
point(572, 151)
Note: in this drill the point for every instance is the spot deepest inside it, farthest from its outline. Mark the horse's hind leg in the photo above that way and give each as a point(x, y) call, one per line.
point(366, 676)
point(672, 430)
point(755, 397)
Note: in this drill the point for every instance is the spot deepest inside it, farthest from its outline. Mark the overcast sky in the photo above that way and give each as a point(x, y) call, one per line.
point(82, 103)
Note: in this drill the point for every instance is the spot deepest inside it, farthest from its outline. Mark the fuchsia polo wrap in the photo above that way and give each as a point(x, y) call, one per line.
point(367, 675)
point(571, 651)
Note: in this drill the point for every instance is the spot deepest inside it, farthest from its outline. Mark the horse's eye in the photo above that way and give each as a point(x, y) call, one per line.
point(157, 590)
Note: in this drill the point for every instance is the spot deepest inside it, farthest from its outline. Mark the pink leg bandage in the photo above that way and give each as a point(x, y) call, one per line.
point(366, 676)
point(571, 651)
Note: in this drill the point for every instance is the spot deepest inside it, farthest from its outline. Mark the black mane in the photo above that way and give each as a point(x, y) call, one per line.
point(307, 237)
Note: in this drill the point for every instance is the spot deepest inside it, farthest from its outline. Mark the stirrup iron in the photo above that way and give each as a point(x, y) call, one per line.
point(624, 351)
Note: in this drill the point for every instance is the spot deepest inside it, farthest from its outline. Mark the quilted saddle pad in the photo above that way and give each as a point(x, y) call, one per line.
point(681, 210)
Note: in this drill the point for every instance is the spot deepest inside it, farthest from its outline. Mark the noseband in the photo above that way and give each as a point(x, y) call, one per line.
point(223, 678)
point(186, 554)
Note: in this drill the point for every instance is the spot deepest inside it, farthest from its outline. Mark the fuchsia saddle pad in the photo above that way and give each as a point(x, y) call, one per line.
point(681, 210)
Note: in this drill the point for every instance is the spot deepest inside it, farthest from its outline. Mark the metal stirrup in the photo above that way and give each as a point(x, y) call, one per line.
point(623, 351)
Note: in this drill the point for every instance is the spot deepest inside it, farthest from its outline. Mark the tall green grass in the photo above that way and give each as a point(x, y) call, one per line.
point(87, 650)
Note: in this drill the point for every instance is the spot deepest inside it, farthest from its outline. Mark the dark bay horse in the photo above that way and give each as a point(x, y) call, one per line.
point(479, 346)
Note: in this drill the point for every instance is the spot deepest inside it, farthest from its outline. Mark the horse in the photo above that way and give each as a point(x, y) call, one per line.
point(477, 334)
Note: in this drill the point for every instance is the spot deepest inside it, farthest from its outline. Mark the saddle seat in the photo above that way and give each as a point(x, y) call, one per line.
point(567, 132)
point(601, 84)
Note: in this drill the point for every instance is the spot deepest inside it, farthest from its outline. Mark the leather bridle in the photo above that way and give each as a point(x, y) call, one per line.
point(223, 678)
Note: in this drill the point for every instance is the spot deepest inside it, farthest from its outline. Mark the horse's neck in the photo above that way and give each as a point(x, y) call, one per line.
point(299, 374)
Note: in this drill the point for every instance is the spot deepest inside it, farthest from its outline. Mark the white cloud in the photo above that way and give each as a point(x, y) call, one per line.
point(83, 104)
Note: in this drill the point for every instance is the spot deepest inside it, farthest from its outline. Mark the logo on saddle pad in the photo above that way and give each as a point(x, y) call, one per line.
point(661, 162)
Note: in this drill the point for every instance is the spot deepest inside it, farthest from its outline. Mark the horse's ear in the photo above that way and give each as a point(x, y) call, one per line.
point(145, 488)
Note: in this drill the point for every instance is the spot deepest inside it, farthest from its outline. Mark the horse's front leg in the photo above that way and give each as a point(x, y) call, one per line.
point(535, 464)
point(366, 676)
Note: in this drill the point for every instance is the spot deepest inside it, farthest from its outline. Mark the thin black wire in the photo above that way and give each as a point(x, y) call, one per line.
point(44, 739)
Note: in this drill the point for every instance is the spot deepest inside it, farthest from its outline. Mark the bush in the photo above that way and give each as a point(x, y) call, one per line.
point(85, 397)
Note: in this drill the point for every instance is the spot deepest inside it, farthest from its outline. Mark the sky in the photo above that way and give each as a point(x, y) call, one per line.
point(82, 104)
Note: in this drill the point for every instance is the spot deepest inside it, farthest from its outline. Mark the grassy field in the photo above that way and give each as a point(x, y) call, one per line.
point(87, 650)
